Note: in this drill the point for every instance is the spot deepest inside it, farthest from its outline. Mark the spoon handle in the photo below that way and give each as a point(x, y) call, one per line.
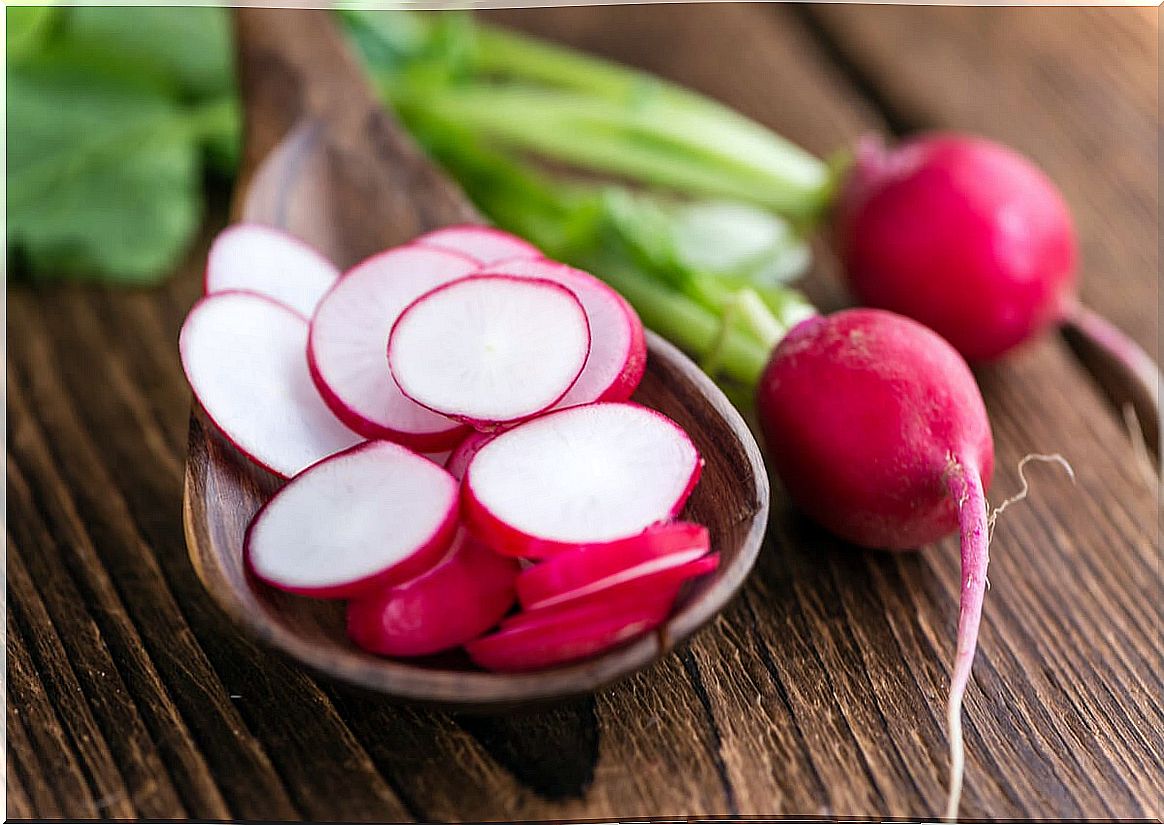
point(322, 159)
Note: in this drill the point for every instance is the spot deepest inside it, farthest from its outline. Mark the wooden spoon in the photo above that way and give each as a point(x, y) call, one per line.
point(325, 162)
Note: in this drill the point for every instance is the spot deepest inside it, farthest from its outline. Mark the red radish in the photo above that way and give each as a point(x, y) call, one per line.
point(460, 457)
point(878, 431)
point(483, 244)
point(243, 356)
point(457, 600)
point(962, 234)
point(618, 350)
point(583, 475)
point(372, 516)
point(257, 258)
point(663, 583)
point(586, 570)
point(567, 637)
point(350, 331)
point(490, 349)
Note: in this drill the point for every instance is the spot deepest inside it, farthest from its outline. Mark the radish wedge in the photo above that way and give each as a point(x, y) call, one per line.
point(257, 258)
point(592, 569)
point(490, 350)
point(483, 244)
point(350, 331)
point(460, 457)
point(660, 585)
point(375, 515)
point(583, 475)
point(565, 637)
point(457, 600)
point(243, 356)
point(618, 350)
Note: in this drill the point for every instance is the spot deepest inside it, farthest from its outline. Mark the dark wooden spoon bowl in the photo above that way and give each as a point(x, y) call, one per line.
point(325, 162)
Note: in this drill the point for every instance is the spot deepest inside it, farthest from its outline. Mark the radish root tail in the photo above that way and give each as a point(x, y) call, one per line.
point(965, 487)
point(976, 525)
point(1047, 458)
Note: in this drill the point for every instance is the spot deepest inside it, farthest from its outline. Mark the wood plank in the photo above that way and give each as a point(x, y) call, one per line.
point(865, 674)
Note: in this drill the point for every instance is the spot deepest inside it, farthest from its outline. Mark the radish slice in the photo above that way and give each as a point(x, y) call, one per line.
point(243, 356)
point(350, 332)
point(582, 475)
point(618, 350)
point(460, 457)
point(460, 598)
point(375, 515)
point(661, 585)
point(566, 637)
point(590, 569)
point(490, 350)
point(257, 258)
point(483, 244)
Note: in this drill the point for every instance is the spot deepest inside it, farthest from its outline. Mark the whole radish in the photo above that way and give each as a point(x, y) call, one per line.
point(877, 429)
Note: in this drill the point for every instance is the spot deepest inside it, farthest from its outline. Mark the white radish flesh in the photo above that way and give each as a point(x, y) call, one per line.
point(349, 335)
point(375, 515)
point(483, 244)
point(583, 475)
point(618, 351)
point(490, 350)
point(457, 600)
point(257, 258)
point(594, 569)
point(243, 354)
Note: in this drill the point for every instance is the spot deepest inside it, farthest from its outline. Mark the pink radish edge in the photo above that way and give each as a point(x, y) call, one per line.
point(414, 617)
point(497, 244)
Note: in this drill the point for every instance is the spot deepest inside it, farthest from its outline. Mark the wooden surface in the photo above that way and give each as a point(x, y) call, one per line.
point(820, 690)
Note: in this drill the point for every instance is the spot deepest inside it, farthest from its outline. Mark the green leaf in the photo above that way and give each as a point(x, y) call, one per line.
point(103, 178)
point(189, 45)
point(27, 29)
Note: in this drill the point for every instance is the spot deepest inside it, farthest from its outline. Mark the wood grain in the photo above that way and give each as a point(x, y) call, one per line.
point(817, 693)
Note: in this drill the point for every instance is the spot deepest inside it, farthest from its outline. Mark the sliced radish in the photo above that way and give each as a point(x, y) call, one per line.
point(483, 244)
point(349, 334)
point(658, 586)
point(457, 600)
point(582, 475)
point(257, 258)
point(566, 637)
point(490, 350)
point(243, 356)
point(375, 515)
point(460, 457)
point(618, 350)
point(591, 569)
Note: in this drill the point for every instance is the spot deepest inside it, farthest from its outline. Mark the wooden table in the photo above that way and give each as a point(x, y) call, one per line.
point(818, 693)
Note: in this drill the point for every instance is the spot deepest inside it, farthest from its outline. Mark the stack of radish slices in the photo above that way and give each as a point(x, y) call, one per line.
point(452, 417)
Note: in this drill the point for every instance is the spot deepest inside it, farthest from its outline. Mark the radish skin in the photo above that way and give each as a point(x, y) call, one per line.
point(879, 432)
point(589, 569)
point(457, 600)
point(458, 460)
